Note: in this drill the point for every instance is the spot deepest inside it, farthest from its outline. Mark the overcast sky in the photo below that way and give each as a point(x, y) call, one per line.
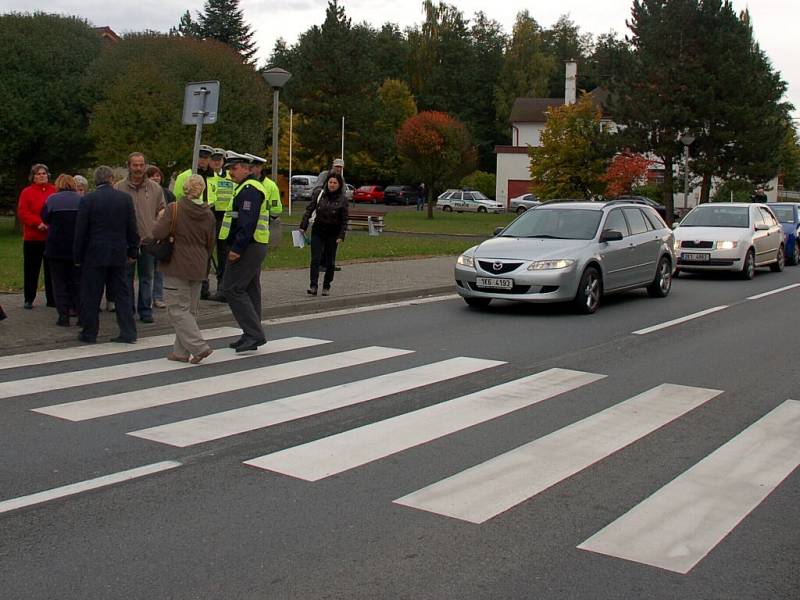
point(773, 20)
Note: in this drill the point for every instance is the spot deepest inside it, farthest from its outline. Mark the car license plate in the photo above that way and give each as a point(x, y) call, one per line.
point(492, 282)
point(696, 256)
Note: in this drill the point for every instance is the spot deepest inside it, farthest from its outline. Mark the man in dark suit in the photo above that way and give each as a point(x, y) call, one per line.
point(106, 239)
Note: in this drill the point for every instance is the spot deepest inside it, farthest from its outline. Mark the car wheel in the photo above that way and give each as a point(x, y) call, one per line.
point(780, 260)
point(795, 259)
point(662, 283)
point(447, 209)
point(481, 209)
point(477, 302)
point(520, 210)
point(749, 267)
point(590, 289)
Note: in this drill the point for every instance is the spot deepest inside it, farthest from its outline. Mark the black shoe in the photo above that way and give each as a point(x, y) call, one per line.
point(249, 345)
point(237, 343)
point(147, 319)
point(337, 268)
point(63, 322)
point(218, 297)
point(86, 339)
point(326, 291)
point(122, 340)
point(312, 290)
point(28, 305)
point(205, 296)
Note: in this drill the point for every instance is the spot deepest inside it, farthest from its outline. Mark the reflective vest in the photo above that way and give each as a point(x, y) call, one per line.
point(261, 234)
point(273, 196)
point(225, 189)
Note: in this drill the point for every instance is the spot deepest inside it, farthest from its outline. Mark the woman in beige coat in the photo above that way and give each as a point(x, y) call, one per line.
point(184, 273)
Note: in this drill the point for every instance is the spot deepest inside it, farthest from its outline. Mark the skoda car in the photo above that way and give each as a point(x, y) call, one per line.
point(467, 201)
point(570, 252)
point(725, 236)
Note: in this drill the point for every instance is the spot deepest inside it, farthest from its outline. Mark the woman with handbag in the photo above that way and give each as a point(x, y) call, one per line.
point(191, 226)
point(327, 214)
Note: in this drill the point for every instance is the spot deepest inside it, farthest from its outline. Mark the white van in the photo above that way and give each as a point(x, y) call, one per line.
point(302, 186)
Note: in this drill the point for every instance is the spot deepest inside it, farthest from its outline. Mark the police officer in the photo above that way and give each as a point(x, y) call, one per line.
point(246, 229)
point(274, 198)
point(219, 198)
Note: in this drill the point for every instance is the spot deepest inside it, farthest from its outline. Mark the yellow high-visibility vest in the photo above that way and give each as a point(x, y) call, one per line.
point(261, 234)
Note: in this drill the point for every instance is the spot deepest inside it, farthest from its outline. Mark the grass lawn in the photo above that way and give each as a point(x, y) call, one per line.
point(358, 246)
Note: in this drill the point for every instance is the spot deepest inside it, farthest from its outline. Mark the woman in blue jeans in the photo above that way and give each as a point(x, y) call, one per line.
point(154, 173)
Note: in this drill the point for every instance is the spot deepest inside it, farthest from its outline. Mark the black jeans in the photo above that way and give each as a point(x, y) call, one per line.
point(323, 251)
point(32, 259)
point(66, 285)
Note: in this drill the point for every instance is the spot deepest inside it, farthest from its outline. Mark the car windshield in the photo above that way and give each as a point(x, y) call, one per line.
point(556, 223)
point(718, 216)
point(785, 214)
point(479, 196)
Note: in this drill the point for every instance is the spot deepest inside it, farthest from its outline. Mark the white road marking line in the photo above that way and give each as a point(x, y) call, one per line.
point(85, 486)
point(232, 422)
point(681, 523)
point(337, 453)
point(90, 351)
point(61, 381)
point(696, 315)
point(486, 490)
point(770, 293)
point(114, 404)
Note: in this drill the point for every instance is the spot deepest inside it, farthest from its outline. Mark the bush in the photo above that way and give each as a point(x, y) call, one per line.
point(484, 182)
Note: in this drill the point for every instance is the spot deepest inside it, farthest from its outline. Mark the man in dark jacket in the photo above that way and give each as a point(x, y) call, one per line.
point(106, 240)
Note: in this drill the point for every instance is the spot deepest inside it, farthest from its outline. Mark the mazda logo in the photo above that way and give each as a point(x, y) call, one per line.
point(497, 266)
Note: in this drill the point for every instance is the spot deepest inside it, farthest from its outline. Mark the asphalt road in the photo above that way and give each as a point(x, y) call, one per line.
point(403, 513)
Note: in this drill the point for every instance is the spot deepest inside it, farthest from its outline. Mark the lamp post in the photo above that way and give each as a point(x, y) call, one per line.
point(276, 78)
point(686, 139)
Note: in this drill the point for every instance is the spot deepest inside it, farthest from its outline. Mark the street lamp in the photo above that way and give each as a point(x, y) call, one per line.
point(276, 78)
point(687, 140)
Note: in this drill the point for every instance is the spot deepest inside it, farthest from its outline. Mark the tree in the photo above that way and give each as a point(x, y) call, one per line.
point(136, 107)
point(574, 153)
point(43, 120)
point(625, 171)
point(484, 182)
point(790, 159)
point(436, 149)
point(221, 20)
point(563, 42)
point(186, 27)
point(526, 68)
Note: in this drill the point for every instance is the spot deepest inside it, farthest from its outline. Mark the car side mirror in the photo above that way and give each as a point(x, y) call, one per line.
point(610, 235)
point(762, 227)
point(497, 231)
point(676, 224)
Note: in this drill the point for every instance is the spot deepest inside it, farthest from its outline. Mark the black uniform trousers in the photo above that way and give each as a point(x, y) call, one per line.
point(93, 279)
point(32, 259)
point(66, 285)
point(222, 250)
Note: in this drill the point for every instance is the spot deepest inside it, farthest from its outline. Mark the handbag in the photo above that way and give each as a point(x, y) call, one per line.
point(162, 249)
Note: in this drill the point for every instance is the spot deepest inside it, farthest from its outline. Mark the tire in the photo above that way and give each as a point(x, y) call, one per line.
point(447, 209)
point(795, 258)
point(590, 290)
point(481, 209)
point(749, 267)
point(520, 210)
point(477, 302)
point(662, 283)
point(780, 261)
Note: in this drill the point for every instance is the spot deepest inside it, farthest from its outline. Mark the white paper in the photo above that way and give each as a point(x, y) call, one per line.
point(298, 240)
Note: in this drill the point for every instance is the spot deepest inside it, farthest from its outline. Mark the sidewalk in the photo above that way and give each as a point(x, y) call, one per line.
point(284, 294)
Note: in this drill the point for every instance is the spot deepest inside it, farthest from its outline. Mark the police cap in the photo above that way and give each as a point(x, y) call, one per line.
point(218, 152)
point(205, 150)
point(234, 158)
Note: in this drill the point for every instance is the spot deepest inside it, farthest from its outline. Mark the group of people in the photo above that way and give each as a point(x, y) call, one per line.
point(91, 242)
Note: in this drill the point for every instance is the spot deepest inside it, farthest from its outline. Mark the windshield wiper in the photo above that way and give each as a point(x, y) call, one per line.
point(544, 236)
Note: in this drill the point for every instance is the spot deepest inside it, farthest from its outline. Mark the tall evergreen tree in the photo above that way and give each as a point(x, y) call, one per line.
point(187, 27)
point(221, 20)
point(564, 41)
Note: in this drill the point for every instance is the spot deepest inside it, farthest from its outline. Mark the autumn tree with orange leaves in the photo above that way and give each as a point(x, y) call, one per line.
point(435, 148)
point(626, 170)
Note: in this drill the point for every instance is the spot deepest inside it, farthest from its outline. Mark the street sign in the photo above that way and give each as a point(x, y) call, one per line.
point(200, 98)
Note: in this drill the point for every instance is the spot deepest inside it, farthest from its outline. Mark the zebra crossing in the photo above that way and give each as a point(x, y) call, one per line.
point(673, 529)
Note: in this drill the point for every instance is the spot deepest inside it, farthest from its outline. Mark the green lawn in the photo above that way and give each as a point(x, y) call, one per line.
point(358, 246)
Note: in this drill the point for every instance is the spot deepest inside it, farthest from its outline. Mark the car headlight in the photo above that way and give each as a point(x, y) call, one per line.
point(726, 245)
point(466, 261)
point(546, 265)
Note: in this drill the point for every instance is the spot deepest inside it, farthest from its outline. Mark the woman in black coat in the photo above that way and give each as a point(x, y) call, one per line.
point(327, 215)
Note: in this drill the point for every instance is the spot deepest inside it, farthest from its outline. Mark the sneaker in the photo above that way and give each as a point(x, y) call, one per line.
point(159, 304)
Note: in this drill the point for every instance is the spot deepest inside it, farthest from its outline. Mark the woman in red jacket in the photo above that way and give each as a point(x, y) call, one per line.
point(34, 233)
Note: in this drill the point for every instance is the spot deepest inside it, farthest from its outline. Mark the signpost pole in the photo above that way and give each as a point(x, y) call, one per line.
point(200, 116)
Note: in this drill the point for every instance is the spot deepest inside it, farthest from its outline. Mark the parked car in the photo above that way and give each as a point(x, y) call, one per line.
point(400, 194)
point(788, 215)
point(368, 193)
point(660, 208)
point(302, 186)
point(467, 201)
point(570, 252)
point(522, 203)
point(729, 236)
point(349, 190)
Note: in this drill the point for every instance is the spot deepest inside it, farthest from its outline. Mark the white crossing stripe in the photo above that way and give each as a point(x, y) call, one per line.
point(85, 486)
point(682, 522)
point(337, 453)
point(239, 420)
point(772, 292)
point(114, 404)
point(488, 489)
point(62, 381)
point(696, 315)
point(90, 351)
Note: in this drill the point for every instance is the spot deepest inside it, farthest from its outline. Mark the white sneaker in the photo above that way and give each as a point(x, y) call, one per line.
point(111, 307)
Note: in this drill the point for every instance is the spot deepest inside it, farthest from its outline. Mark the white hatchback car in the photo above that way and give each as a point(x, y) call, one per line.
point(729, 237)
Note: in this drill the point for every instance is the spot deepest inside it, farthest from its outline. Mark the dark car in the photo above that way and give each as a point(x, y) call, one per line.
point(400, 194)
point(788, 214)
point(659, 208)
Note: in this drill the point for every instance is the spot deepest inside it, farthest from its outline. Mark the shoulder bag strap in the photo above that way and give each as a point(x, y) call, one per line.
point(174, 223)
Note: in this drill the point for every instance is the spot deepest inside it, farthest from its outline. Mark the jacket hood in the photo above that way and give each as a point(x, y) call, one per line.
point(194, 211)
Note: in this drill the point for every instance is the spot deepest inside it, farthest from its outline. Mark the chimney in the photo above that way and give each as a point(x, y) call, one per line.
point(571, 83)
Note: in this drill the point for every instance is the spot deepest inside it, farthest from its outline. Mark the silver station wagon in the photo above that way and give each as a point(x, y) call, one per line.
point(568, 251)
